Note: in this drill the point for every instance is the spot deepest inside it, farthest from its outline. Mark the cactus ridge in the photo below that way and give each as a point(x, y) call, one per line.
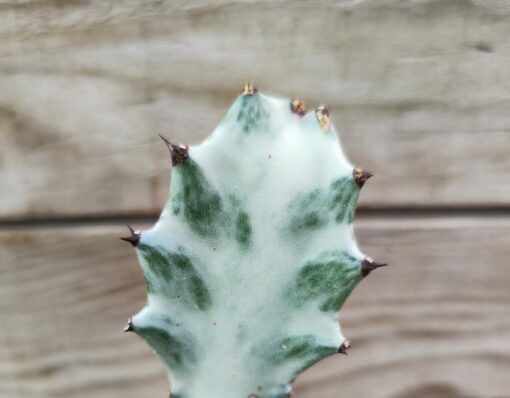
point(254, 254)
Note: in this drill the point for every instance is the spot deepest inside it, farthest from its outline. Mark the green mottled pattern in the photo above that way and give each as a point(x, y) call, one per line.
point(173, 272)
point(280, 391)
point(300, 352)
point(194, 199)
point(173, 351)
point(298, 347)
point(243, 229)
point(308, 211)
point(252, 114)
point(343, 199)
point(328, 280)
point(157, 261)
point(313, 210)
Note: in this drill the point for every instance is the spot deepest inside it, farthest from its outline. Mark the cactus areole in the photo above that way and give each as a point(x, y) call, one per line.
point(253, 254)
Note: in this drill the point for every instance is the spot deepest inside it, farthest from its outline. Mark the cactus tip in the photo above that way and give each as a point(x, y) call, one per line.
point(361, 176)
point(249, 89)
point(298, 107)
point(368, 265)
point(322, 114)
point(344, 347)
point(223, 199)
point(179, 153)
point(134, 238)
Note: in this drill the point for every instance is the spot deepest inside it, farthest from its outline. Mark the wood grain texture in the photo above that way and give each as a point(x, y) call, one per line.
point(418, 90)
point(436, 323)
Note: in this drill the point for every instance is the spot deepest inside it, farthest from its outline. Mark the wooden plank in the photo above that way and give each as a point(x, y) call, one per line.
point(418, 90)
point(434, 324)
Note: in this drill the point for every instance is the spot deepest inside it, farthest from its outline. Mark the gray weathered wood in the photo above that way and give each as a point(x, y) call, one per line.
point(434, 324)
point(419, 91)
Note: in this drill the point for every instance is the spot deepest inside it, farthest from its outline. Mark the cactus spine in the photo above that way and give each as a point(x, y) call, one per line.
point(253, 254)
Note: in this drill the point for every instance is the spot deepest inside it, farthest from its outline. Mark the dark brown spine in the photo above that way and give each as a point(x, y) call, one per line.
point(179, 153)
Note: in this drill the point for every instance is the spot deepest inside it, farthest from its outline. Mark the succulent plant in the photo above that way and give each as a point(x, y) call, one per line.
point(253, 254)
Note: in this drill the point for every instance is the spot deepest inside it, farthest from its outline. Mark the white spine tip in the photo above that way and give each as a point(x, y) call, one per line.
point(249, 89)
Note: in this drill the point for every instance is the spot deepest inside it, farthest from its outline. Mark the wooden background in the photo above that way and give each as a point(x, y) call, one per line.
point(420, 92)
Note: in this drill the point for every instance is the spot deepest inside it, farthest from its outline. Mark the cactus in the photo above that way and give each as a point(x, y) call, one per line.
point(253, 254)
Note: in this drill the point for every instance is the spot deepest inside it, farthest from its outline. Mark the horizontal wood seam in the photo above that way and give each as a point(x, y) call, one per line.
point(365, 212)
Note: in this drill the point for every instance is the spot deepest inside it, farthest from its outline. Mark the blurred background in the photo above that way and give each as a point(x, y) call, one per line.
point(420, 93)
